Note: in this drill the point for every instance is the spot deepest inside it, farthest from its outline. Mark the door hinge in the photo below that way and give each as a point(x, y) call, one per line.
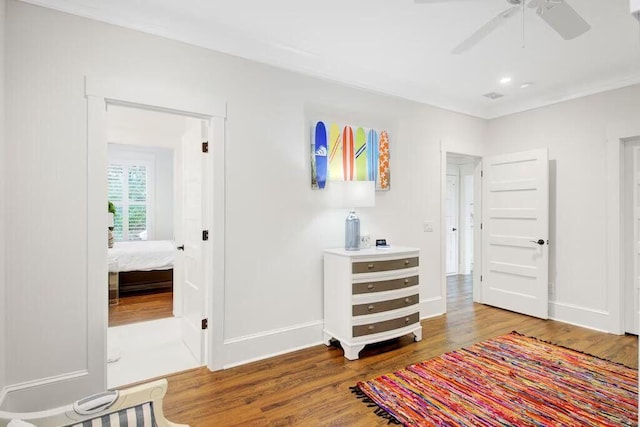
point(481, 174)
point(481, 277)
point(480, 226)
point(205, 324)
point(205, 147)
point(205, 234)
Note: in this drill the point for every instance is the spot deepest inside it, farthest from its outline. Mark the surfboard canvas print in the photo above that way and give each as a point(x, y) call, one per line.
point(344, 152)
point(320, 151)
point(335, 153)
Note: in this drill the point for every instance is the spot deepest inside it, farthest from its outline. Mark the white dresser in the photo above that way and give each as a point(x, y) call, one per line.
point(370, 295)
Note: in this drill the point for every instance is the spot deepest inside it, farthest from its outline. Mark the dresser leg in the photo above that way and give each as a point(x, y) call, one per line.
point(351, 351)
point(417, 335)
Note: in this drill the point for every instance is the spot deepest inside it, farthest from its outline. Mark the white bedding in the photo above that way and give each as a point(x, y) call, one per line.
point(144, 255)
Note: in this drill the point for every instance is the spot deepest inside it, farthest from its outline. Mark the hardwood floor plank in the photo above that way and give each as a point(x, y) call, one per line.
point(140, 308)
point(310, 387)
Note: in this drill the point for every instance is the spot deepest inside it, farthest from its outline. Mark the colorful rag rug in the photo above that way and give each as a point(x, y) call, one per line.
point(511, 380)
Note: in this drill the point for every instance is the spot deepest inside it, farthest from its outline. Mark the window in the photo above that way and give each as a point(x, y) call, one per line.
point(129, 189)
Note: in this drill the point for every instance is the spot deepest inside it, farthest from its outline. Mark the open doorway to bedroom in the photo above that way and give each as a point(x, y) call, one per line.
point(145, 178)
point(460, 210)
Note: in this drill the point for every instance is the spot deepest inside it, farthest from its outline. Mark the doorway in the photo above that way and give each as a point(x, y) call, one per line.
point(146, 182)
point(460, 201)
point(631, 225)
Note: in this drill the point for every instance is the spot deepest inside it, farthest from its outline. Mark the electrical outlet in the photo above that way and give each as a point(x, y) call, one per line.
point(427, 226)
point(365, 241)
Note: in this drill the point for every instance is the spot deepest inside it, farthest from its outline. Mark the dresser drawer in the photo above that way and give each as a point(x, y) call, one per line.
point(392, 264)
point(387, 325)
point(384, 285)
point(380, 306)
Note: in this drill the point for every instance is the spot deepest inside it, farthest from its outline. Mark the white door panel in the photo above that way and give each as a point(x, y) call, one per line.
point(515, 216)
point(193, 290)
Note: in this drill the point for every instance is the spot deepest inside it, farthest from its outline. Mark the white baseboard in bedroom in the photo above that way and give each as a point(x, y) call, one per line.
point(21, 397)
point(432, 307)
point(585, 317)
point(251, 348)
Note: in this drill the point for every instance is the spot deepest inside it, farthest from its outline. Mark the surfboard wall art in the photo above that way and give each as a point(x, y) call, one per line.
point(343, 152)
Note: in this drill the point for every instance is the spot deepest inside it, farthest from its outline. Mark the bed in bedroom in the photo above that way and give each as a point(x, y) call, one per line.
point(142, 266)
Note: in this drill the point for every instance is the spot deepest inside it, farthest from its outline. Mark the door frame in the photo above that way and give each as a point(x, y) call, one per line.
point(617, 136)
point(630, 233)
point(477, 231)
point(140, 94)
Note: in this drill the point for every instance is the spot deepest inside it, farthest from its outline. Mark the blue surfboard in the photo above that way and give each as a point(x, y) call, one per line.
point(320, 150)
point(372, 155)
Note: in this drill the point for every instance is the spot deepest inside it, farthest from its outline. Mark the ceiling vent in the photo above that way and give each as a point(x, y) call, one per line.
point(493, 95)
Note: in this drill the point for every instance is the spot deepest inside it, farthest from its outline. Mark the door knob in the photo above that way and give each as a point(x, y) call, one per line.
point(454, 229)
point(180, 248)
point(539, 241)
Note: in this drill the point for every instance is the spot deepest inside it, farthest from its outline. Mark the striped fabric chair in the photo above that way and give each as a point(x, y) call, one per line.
point(139, 406)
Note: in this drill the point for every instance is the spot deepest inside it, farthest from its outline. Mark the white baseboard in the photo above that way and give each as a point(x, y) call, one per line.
point(38, 395)
point(599, 320)
point(251, 348)
point(432, 307)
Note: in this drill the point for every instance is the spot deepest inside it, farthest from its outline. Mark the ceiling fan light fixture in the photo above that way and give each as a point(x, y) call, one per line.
point(505, 80)
point(493, 95)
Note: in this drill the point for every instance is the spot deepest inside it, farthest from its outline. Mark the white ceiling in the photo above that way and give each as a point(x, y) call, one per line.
point(401, 48)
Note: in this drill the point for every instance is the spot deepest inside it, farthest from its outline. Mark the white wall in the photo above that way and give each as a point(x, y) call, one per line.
point(575, 133)
point(163, 183)
point(276, 225)
point(3, 321)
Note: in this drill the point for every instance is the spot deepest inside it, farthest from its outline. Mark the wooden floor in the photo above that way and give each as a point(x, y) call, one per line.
point(311, 387)
point(140, 308)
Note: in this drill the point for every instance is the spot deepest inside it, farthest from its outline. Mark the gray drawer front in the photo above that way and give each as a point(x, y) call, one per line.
point(387, 325)
point(380, 306)
point(393, 264)
point(384, 285)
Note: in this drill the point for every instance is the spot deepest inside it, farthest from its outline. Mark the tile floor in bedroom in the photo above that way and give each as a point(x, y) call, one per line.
point(147, 350)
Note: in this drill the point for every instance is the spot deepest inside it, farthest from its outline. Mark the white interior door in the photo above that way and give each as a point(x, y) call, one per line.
point(451, 220)
point(515, 223)
point(193, 269)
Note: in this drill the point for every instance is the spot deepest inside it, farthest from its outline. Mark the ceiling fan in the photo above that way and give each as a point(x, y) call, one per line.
point(560, 16)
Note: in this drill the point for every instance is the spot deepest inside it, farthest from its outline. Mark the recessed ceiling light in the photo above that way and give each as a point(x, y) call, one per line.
point(505, 80)
point(526, 85)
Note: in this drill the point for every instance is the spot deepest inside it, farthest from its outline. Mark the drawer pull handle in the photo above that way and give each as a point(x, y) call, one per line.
point(406, 320)
point(370, 266)
point(407, 300)
point(371, 307)
point(370, 286)
point(406, 281)
point(370, 327)
point(406, 262)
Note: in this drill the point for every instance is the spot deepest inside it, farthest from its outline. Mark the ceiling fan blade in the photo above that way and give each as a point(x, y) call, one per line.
point(485, 30)
point(563, 19)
